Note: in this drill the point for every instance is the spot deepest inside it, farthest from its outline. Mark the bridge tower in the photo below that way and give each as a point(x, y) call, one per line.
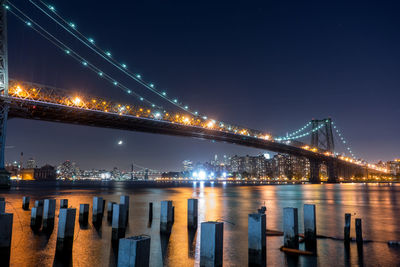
point(4, 175)
point(322, 135)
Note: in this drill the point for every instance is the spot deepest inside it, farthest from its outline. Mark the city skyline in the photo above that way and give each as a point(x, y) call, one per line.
point(239, 92)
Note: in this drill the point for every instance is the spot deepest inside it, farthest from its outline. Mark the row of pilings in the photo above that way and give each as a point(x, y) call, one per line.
point(135, 250)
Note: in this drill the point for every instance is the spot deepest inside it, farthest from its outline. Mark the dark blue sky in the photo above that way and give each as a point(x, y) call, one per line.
point(269, 65)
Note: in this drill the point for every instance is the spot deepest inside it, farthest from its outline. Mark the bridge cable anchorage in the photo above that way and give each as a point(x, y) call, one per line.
point(343, 140)
point(297, 131)
point(106, 55)
point(226, 126)
point(51, 38)
point(299, 136)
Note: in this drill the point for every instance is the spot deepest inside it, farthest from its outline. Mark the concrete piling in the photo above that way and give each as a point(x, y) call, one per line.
point(347, 223)
point(134, 251)
point(66, 227)
point(63, 203)
point(118, 221)
point(6, 222)
point(39, 203)
point(310, 226)
point(290, 228)
point(49, 212)
point(211, 244)
point(166, 216)
point(192, 213)
point(36, 217)
point(359, 237)
point(125, 201)
point(110, 210)
point(83, 214)
point(97, 210)
point(2, 206)
point(173, 214)
point(150, 211)
point(257, 225)
point(25, 202)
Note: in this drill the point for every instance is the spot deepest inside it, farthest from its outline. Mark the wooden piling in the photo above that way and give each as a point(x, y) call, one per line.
point(134, 251)
point(211, 244)
point(347, 224)
point(290, 228)
point(359, 237)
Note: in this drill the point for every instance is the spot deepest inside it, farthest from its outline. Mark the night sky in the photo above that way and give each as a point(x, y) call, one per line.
point(268, 65)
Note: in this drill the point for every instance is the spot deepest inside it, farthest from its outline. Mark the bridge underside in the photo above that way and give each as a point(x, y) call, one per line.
point(34, 110)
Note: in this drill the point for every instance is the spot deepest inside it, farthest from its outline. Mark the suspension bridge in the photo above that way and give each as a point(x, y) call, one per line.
point(28, 100)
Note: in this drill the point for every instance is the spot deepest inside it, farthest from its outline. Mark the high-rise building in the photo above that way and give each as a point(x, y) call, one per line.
point(394, 167)
point(31, 163)
point(187, 165)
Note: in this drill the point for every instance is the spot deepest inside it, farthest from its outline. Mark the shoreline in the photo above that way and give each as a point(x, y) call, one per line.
point(85, 184)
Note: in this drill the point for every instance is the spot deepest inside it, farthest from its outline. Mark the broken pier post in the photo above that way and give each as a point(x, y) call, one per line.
point(97, 210)
point(83, 214)
point(166, 216)
point(211, 244)
point(25, 202)
point(347, 224)
point(49, 212)
point(192, 213)
point(290, 228)
point(257, 239)
point(118, 221)
point(359, 237)
point(63, 203)
point(6, 222)
point(134, 251)
point(66, 227)
point(125, 201)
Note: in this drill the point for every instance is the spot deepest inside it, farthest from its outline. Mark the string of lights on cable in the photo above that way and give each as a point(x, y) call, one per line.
point(296, 132)
point(71, 28)
point(39, 29)
point(343, 140)
point(287, 138)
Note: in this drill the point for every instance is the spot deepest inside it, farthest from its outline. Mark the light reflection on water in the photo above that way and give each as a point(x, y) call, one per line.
point(377, 205)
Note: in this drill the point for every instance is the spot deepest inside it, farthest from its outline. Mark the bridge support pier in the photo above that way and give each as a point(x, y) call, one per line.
point(314, 171)
point(332, 171)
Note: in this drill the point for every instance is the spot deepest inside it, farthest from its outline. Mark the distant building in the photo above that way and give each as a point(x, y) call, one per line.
point(31, 163)
point(45, 173)
point(394, 167)
point(187, 165)
point(68, 170)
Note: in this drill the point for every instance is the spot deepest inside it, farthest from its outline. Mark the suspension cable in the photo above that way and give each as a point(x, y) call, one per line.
point(51, 38)
point(106, 55)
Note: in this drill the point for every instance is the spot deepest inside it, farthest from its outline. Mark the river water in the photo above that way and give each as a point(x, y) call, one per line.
point(377, 204)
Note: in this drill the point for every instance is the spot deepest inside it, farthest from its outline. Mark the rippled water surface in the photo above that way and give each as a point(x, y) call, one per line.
point(377, 205)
